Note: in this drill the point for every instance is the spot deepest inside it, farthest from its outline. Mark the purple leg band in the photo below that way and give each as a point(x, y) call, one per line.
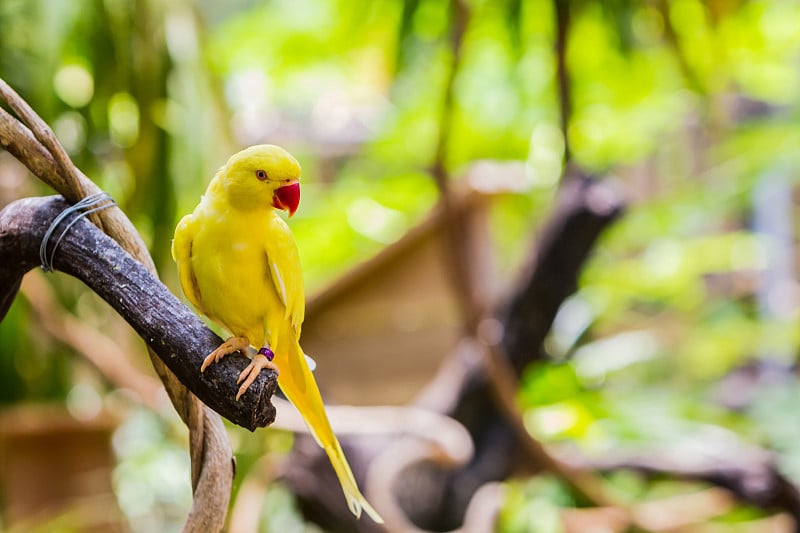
point(266, 352)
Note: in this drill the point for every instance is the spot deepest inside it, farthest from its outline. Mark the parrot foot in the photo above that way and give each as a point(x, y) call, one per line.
point(260, 361)
point(233, 344)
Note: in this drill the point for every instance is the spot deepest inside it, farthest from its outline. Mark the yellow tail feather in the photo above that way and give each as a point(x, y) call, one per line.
point(298, 384)
point(355, 500)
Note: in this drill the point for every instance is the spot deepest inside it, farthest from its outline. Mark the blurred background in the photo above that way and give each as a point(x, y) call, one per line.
point(679, 345)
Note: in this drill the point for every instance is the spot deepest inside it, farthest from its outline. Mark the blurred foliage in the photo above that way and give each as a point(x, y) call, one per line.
point(690, 106)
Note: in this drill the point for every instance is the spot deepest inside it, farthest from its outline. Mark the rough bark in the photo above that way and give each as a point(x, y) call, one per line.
point(31, 141)
point(174, 332)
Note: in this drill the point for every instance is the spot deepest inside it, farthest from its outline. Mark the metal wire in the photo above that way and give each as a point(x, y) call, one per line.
point(94, 201)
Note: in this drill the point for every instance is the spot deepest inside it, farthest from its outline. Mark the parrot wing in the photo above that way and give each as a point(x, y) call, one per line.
point(182, 254)
point(283, 259)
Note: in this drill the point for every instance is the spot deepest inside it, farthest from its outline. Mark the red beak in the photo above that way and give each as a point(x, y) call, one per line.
point(287, 197)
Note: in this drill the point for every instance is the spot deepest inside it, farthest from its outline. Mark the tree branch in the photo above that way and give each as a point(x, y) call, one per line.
point(562, 12)
point(750, 474)
point(209, 448)
point(436, 496)
point(99, 349)
point(586, 207)
point(174, 333)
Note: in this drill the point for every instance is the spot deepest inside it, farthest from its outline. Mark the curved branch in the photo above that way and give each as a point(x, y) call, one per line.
point(99, 349)
point(209, 448)
point(464, 388)
point(174, 333)
point(586, 207)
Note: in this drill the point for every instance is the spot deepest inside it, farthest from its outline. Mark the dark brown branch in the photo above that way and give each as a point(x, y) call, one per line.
point(176, 334)
point(562, 9)
point(209, 449)
point(586, 207)
point(21, 142)
point(46, 137)
point(436, 499)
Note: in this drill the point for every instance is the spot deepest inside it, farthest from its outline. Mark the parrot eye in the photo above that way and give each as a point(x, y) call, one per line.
point(261, 175)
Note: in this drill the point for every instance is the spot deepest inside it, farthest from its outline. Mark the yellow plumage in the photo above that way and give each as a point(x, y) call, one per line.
point(239, 265)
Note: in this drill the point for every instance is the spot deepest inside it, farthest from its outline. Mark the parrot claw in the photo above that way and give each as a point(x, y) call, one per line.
point(250, 373)
point(233, 344)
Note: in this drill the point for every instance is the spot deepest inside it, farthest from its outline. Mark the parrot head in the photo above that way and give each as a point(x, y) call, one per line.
point(261, 175)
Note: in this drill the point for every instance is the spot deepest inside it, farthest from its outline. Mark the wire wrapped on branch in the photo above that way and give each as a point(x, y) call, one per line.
point(176, 334)
point(33, 143)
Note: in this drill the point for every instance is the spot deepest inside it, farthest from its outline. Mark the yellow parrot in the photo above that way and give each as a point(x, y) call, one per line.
point(238, 264)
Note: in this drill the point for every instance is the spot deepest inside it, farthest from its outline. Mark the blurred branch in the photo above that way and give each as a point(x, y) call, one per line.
point(561, 9)
point(218, 107)
point(210, 451)
point(477, 396)
point(692, 79)
point(246, 511)
point(585, 208)
point(457, 230)
point(682, 512)
point(460, 16)
point(504, 384)
point(501, 380)
point(750, 475)
point(100, 350)
point(398, 437)
point(483, 394)
point(485, 403)
point(177, 336)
